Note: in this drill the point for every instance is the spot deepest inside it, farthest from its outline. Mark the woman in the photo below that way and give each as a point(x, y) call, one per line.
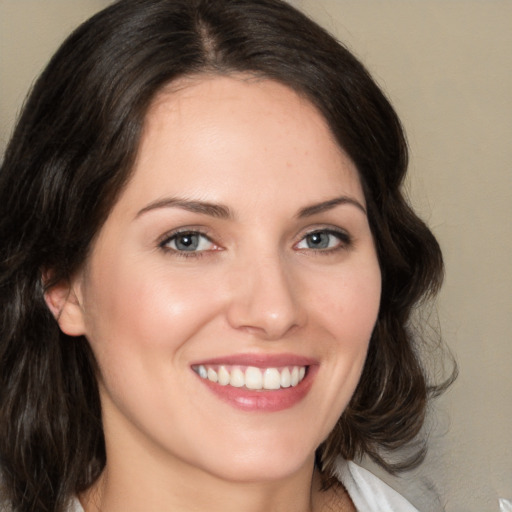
point(208, 270)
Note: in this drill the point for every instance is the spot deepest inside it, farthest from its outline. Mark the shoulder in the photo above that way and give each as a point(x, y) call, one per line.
point(369, 493)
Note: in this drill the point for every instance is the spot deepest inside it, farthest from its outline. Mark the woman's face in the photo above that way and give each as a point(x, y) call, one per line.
point(230, 296)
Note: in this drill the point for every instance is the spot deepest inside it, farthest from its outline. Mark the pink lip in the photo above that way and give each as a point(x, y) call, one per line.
point(262, 400)
point(260, 360)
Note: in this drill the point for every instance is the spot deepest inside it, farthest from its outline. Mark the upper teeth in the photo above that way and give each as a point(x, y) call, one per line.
point(252, 377)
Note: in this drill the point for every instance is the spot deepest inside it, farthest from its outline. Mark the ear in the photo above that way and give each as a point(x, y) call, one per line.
point(65, 303)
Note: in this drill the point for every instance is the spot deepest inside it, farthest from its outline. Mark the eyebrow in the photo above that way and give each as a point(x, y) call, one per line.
point(313, 209)
point(218, 211)
point(221, 211)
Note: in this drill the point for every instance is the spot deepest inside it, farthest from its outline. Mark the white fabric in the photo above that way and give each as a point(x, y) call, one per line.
point(369, 493)
point(75, 506)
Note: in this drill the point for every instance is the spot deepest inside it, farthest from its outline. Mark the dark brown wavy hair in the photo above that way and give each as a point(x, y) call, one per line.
point(71, 154)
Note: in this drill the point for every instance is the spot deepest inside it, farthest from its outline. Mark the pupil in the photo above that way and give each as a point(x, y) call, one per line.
point(318, 240)
point(187, 242)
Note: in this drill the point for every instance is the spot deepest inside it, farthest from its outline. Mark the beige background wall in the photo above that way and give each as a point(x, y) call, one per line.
point(447, 67)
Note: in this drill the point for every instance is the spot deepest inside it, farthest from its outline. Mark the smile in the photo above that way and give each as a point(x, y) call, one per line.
point(258, 382)
point(252, 377)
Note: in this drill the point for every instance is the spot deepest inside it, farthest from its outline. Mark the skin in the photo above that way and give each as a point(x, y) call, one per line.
point(255, 286)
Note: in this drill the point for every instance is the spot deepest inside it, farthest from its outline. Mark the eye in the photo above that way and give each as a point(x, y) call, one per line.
point(324, 239)
point(188, 241)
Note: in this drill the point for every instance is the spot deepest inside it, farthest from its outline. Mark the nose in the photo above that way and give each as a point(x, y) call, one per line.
point(265, 300)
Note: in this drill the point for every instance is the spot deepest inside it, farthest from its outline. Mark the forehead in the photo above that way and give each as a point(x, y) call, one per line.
point(251, 132)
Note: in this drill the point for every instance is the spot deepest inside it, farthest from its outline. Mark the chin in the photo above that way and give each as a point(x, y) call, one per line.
point(262, 463)
point(270, 470)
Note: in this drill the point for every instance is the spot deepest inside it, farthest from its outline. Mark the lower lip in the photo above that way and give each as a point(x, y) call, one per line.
point(264, 400)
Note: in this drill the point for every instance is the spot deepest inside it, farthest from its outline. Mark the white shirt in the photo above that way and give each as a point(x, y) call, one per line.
point(368, 493)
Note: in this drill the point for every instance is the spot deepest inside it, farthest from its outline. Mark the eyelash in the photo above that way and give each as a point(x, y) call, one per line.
point(168, 238)
point(345, 241)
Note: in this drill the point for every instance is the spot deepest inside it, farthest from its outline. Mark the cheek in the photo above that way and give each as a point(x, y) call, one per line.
point(139, 324)
point(349, 300)
point(346, 311)
point(362, 300)
point(144, 306)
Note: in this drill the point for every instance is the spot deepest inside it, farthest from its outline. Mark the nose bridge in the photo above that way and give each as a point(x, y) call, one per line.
point(264, 299)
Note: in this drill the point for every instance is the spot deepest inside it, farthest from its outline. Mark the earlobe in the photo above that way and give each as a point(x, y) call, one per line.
point(64, 303)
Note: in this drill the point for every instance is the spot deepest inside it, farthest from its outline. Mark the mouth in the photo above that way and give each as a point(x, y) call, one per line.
point(258, 382)
point(252, 377)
